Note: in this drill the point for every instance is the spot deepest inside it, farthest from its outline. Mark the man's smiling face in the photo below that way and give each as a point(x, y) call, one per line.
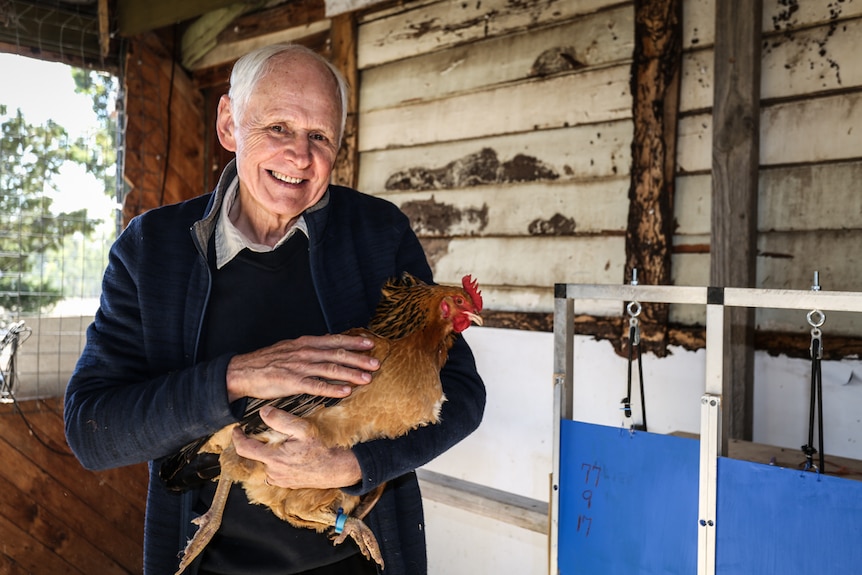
point(286, 140)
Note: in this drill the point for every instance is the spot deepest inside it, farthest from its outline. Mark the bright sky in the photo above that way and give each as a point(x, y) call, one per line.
point(45, 90)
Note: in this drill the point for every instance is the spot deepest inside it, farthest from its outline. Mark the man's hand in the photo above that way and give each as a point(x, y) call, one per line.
point(301, 460)
point(326, 365)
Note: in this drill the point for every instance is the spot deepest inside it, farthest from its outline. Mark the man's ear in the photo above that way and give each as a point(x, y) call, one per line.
point(225, 127)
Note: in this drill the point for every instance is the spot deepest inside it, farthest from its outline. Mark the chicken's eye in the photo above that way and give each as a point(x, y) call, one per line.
point(459, 301)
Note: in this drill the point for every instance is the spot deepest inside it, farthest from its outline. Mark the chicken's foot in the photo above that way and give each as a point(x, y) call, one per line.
point(208, 524)
point(365, 539)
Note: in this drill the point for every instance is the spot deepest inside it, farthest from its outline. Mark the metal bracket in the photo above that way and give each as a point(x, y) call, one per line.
point(710, 448)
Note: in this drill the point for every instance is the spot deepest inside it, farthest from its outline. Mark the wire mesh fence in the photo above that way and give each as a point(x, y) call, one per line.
point(59, 214)
point(54, 294)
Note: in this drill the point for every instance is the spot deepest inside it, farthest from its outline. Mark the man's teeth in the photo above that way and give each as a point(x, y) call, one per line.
point(286, 179)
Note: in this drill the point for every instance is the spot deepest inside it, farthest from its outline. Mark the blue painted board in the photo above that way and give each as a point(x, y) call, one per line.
point(776, 520)
point(628, 502)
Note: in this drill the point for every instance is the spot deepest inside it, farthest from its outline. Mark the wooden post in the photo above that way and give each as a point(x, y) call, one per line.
point(735, 163)
point(655, 101)
point(343, 32)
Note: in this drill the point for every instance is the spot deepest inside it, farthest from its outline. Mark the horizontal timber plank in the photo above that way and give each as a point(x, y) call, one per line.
point(523, 209)
point(453, 22)
point(810, 61)
point(801, 132)
point(45, 526)
point(507, 507)
point(572, 99)
point(72, 504)
point(515, 262)
point(594, 151)
point(798, 198)
point(779, 17)
point(597, 39)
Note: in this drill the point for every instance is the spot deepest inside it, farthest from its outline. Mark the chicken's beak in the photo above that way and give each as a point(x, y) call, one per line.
point(475, 318)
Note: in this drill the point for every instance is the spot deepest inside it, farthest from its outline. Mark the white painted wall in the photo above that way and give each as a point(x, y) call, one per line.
point(512, 449)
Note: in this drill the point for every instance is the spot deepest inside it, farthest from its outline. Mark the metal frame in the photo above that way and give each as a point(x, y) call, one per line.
point(712, 442)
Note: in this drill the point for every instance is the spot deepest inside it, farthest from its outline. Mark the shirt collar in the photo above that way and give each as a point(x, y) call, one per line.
point(229, 241)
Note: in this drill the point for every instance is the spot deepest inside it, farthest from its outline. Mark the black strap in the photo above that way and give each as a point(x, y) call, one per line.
point(816, 404)
point(627, 406)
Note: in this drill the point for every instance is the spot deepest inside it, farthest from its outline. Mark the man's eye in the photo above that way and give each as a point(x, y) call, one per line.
point(277, 129)
point(318, 137)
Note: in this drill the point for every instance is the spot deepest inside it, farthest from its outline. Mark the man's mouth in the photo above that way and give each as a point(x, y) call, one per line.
point(285, 179)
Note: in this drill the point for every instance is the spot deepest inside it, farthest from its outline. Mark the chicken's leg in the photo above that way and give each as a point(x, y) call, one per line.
point(354, 527)
point(208, 524)
point(364, 537)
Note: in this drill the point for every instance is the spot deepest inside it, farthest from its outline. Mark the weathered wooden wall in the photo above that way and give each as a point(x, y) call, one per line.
point(164, 131)
point(505, 131)
point(810, 210)
point(55, 516)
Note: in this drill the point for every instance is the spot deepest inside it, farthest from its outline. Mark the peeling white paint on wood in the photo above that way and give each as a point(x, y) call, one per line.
point(573, 99)
point(450, 23)
point(457, 95)
point(594, 40)
point(600, 150)
point(594, 207)
point(779, 16)
point(799, 64)
point(812, 60)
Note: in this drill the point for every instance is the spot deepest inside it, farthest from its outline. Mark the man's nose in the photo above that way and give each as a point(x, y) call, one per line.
point(298, 150)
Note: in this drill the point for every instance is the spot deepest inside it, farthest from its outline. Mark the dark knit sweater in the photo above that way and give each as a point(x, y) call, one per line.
point(257, 300)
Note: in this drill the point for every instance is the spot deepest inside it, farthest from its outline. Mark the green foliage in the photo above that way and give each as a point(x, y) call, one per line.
point(32, 235)
point(101, 156)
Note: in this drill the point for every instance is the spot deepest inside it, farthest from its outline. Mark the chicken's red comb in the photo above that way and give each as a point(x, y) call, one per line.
point(471, 286)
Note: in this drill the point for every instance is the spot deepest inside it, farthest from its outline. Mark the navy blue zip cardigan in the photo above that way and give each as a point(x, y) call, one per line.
point(138, 393)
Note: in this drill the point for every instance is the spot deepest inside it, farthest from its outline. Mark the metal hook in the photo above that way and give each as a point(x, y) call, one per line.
point(815, 323)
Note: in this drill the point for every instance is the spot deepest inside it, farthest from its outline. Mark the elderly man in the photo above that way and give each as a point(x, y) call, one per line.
point(232, 295)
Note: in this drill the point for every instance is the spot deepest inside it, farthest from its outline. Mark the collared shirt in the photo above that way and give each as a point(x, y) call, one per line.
point(229, 241)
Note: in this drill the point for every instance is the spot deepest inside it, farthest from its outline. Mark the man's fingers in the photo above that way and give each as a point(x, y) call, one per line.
point(283, 422)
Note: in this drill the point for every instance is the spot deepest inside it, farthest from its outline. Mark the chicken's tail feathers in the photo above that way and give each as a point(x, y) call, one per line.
point(189, 468)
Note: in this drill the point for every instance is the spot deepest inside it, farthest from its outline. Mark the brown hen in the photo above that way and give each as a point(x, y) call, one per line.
point(414, 327)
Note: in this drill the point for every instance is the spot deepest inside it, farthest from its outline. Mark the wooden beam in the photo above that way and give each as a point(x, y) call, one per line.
point(201, 35)
point(655, 103)
point(295, 14)
point(57, 33)
point(137, 16)
point(507, 507)
point(735, 163)
point(343, 41)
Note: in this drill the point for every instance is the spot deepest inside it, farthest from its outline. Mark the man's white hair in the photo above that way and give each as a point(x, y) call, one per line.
point(248, 70)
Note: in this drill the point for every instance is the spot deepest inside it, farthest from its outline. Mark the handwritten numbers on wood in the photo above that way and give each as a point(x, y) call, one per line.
point(592, 473)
